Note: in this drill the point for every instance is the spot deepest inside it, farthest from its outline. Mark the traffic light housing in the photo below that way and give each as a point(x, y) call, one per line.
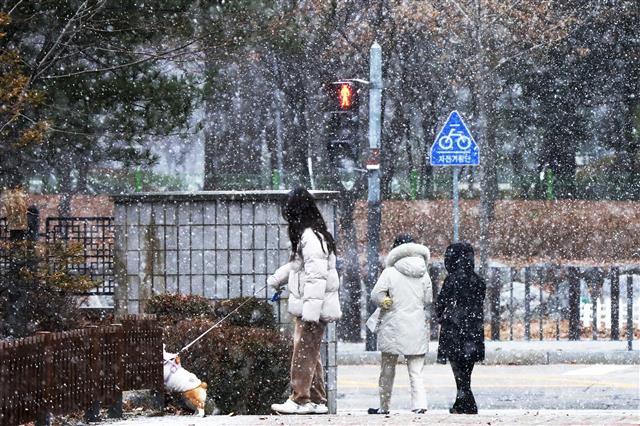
point(343, 124)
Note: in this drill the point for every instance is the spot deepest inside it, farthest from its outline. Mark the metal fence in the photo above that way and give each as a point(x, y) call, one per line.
point(58, 373)
point(96, 234)
point(542, 302)
point(536, 302)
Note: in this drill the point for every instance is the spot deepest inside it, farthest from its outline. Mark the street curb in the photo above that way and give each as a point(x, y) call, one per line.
point(513, 357)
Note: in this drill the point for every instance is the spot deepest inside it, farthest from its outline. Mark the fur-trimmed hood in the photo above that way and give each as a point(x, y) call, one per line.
point(410, 259)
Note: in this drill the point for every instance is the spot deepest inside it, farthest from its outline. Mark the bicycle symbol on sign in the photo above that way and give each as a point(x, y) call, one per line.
point(462, 142)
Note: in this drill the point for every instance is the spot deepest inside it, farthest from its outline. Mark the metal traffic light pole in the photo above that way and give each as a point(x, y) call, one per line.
point(373, 168)
point(344, 154)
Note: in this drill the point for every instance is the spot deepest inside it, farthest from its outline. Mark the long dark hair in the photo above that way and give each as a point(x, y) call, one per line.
point(301, 213)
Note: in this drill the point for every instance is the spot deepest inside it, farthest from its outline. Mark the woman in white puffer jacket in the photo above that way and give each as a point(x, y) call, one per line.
point(313, 284)
point(404, 297)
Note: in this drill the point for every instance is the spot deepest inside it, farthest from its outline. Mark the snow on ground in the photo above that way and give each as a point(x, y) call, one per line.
point(485, 417)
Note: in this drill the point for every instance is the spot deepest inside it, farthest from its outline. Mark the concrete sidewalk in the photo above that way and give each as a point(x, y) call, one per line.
point(533, 352)
point(485, 417)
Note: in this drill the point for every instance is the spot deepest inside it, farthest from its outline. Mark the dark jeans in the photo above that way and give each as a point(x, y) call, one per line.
point(465, 402)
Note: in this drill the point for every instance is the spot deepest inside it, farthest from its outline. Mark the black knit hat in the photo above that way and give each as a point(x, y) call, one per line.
point(402, 239)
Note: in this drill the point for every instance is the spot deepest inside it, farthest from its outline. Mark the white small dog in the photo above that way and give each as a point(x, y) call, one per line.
point(177, 379)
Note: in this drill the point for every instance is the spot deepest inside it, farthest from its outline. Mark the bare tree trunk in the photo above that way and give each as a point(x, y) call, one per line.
point(296, 140)
point(485, 104)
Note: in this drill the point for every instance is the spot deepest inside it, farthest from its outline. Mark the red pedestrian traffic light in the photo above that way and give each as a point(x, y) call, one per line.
point(345, 94)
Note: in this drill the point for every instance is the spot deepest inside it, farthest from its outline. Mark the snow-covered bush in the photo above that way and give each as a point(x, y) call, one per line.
point(246, 368)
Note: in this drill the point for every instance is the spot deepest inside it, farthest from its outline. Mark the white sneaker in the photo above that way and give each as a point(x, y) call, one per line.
point(291, 407)
point(320, 408)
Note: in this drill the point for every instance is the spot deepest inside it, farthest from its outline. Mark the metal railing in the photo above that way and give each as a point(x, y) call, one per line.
point(96, 234)
point(552, 301)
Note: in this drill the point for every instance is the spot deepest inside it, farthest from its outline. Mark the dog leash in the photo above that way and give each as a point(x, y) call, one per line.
point(253, 296)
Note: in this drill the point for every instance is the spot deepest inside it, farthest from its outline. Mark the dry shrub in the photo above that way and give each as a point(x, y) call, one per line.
point(549, 331)
point(176, 307)
point(246, 369)
point(251, 312)
point(522, 231)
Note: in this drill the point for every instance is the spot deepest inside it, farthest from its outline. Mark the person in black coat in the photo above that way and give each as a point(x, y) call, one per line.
point(459, 309)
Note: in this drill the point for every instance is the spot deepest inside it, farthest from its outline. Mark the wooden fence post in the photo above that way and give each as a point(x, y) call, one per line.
point(92, 413)
point(43, 417)
point(115, 410)
point(155, 357)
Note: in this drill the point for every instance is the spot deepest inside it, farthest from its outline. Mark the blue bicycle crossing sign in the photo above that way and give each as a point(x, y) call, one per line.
point(454, 145)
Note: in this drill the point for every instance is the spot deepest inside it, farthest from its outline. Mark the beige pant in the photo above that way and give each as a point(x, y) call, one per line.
point(415, 365)
point(307, 374)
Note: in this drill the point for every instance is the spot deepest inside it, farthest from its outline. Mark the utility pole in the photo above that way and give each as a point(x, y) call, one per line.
point(373, 169)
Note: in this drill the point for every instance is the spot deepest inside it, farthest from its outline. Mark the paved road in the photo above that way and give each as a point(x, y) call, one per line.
point(501, 387)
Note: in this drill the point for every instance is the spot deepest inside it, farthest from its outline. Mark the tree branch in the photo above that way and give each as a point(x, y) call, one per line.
point(128, 64)
point(78, 15)
point(457, 5)
point(14, 7)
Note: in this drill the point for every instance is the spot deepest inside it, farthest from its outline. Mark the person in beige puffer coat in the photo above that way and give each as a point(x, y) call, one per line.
point(313, 284)
point(404, 297)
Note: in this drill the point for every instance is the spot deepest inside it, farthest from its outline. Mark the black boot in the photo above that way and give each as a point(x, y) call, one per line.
point(468, 404)
point(465, 404)
point(455, 408)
